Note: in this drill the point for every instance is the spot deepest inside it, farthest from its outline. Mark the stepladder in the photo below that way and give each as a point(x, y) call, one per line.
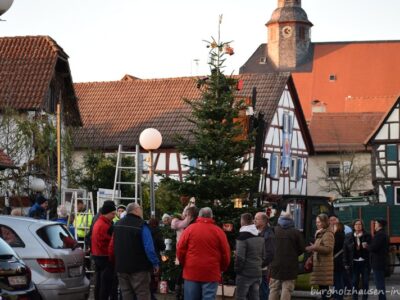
point(82, 210)
point(127, 187)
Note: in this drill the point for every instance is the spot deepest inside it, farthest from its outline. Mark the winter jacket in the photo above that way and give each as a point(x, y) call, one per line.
point(203, 250)
point(132, 246)
point(322, 273)
point(350, 249)
point(289, 244)
point(101, 236)
point(338, 251)
point(37, 212)
point(250, 252)
point(379, 249)
point(268, 234)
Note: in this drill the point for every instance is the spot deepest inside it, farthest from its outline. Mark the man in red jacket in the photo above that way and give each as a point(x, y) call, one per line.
point(101, 237)
point(204, 252)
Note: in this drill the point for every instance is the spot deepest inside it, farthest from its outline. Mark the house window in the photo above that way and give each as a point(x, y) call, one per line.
point(296, 168)
point(332, 77)
point(274, 168)
point(333, 169)
point(397, 195)
point(293, 168)
point(263, 60)
point(287, 121)
point(391, 153)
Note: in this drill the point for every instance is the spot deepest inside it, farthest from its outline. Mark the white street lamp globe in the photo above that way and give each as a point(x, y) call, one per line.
point(150, 139)
point(5, 5)
point(38, 185)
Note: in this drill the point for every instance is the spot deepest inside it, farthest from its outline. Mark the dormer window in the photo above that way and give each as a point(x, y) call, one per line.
point(263, 60)
point(332, 77)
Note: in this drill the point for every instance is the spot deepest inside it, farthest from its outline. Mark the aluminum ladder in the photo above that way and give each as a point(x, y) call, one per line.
point(117, 196)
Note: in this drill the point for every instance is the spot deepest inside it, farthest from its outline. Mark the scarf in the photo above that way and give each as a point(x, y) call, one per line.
point(358, 238)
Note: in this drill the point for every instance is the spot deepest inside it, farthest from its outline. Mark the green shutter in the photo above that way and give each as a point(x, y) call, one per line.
point(389, 191)
point(391, 152)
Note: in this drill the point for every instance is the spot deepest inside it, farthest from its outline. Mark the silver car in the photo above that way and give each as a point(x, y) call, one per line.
point(49, 250)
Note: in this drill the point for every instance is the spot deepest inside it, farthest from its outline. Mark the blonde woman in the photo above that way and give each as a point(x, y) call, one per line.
point(322, 249)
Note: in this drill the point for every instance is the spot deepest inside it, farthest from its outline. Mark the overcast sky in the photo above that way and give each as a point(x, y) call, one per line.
point(162, 38)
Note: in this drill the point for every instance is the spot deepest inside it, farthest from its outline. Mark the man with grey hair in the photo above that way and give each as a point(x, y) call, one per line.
point(133, 250)
point(204, 252)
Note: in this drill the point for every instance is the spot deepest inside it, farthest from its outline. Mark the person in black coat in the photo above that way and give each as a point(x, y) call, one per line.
point(379, 249)
point(338, 269)
point(356, 258)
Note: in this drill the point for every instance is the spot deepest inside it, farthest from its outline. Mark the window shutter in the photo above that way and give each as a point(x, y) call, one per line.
point(389, 191)
point(391, 152)
point(290, 125)
point(299, 168)
point(273, 165)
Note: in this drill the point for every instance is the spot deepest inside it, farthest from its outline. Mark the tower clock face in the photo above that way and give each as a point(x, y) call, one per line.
point(287, 31)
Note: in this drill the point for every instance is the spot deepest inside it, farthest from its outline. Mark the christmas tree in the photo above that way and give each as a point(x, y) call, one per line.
point(216, 143)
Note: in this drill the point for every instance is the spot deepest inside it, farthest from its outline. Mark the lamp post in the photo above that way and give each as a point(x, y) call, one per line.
point(150, 139)
point(5, 5)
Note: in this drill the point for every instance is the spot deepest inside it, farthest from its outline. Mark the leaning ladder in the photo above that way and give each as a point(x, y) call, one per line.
point(119, 168)
point(85, 225)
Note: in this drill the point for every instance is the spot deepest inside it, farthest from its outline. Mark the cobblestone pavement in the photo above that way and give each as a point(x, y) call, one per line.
point(392, 287)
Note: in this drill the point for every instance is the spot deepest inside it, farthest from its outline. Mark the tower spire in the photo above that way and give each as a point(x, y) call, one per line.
point(289, 38)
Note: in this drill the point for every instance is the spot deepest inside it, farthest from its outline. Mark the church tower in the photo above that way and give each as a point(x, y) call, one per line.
point(289, 38)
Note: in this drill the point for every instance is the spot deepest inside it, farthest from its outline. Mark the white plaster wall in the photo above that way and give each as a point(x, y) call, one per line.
point(318, 161)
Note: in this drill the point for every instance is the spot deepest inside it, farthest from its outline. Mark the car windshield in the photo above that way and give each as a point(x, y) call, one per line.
point(56, 236)
point(5, 249)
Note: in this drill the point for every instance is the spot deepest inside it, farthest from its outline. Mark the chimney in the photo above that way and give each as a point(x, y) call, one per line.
point(318, 106)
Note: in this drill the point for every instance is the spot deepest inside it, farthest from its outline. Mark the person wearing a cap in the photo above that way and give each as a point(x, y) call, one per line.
point(379, 249)
point(39, 209)
point(121, 209)
point(101, 237)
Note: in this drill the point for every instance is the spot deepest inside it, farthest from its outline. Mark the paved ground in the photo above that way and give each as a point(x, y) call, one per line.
point(392, 287)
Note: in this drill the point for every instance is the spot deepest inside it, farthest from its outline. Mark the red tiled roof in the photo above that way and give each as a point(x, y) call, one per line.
point(116, 112)
point(5, 161)
point(367, 76)
point(333, 132)
point(27, 65)
point(366, 72)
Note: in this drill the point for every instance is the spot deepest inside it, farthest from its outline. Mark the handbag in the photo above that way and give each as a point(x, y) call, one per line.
point(308, 265)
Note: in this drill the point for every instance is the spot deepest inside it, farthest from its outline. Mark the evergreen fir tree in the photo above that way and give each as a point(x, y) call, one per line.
point(216, 141)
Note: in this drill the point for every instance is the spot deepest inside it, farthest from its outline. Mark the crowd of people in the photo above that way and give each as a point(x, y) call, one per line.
point(126, 253)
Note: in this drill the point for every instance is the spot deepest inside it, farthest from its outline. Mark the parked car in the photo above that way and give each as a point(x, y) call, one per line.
point(15, 276)
point(50, 251)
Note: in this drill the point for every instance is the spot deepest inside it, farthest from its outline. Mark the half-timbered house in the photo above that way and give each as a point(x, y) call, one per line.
point(385, 143)
point(116, 112)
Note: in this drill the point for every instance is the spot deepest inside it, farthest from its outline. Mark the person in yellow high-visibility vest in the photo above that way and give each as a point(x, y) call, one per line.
point(121, 209)
point(82, 220)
